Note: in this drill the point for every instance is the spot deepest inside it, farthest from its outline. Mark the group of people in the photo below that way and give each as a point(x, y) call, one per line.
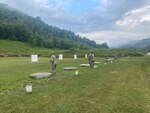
point(54, 62)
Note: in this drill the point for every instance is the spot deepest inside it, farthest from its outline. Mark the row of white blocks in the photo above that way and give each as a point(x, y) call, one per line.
point(34, 58)
point(75, 56)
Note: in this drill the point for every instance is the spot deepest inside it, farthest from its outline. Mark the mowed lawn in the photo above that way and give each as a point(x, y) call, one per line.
point(117, 87)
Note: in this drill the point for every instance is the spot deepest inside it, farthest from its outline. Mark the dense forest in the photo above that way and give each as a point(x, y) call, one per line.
point(17, 26)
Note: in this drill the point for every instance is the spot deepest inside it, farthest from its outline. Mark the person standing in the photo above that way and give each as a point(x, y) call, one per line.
point(91, 59)
point(53, 64)
point(106, 58)
point(116, 57)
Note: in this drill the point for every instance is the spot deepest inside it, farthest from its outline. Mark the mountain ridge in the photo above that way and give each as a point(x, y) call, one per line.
point(15, 25)
point(138, 44)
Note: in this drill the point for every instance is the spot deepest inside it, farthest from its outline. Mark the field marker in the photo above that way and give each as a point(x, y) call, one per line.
point(76, 72)
point(28, 88)
point(75, 56)
point(60, 56)
point(95, 66)
point(34, 58)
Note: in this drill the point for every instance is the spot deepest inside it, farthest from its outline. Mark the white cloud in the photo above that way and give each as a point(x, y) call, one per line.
point(31, 7)
point(136, 23)
point(37, 7)
point(121, 20)
point(135, 18)
point(106, 36)
point(105, 2)
point(52, 13)
point(114, 38)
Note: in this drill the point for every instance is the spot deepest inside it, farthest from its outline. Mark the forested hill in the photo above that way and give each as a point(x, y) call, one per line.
point(15, 25)
point(139, 44)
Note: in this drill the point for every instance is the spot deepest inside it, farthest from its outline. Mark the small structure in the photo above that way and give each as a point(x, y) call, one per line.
point(60, 56)
point(85, 65)
point(28, 88)
point(34, 58)
point(95, 66)
point(75, 56)
point(76, 72)
point(110, 59)
point(70, 68)
point(40, 75)
point(96, 62)
point(86, 56)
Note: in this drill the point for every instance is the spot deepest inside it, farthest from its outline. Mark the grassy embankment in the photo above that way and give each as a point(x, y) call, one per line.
point(17, 49)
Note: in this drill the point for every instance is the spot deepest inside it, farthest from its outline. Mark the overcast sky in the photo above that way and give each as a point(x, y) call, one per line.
point(111, 21)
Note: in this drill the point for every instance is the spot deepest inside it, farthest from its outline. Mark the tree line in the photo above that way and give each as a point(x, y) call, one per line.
point(17, 26)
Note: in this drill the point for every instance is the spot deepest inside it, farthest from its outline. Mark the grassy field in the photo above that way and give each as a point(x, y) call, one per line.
point(118, 87)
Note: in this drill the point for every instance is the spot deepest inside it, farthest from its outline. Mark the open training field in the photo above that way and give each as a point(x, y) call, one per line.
point(118, 87)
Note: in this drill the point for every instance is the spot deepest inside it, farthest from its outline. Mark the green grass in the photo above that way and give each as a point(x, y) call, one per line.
point(16, 48)
point(118, 87)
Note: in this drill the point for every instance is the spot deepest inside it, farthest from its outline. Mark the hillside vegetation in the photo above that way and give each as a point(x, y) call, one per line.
point(16, 49)
point(143, 44)
point(15, 25)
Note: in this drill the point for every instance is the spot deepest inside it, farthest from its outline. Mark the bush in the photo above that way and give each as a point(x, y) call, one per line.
point(13, 55)
point(1, 55)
